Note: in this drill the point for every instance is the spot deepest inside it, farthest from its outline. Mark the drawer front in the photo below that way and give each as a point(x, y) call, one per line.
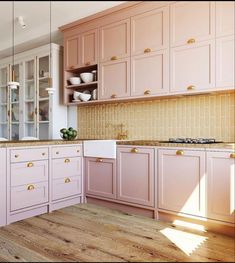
point(64, 152)
point(28, 195)
point(31, 154)
point(28, 173)
point(66, 167)
point(66, 187)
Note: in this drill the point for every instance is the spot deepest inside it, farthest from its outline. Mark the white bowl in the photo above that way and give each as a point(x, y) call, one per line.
point(76, 95)
point(85, 97)
point(75, 80)
point(86, 77)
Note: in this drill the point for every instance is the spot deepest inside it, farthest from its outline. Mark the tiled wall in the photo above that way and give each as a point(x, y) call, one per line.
point(190, 116)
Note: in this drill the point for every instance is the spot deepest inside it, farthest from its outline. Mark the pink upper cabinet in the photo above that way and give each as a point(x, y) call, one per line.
point(150, 31)
point(115, 40)
point(221, 183)
point(193, 67)
point(224, 18)
point(89, 48)
point(135, 175)
point(181, 181)
point(115, 79)
point(191, 21)
point(71, 52)
point(150, 73)
point(3, 187)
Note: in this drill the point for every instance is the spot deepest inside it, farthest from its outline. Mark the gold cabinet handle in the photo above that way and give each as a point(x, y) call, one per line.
point(147, 92)
point(113, 96)
point(134, 150)
point(114, 58)
point(232, 155)
point(88, 63)
point(72, 67)
point(191, 87)
point(99, 160)
point(30, 164)
point(67, 161)
point(17, 156)
point(147, 50)
point(67, 180)
point(191, 41)
point(30, 187)
point(180, 152)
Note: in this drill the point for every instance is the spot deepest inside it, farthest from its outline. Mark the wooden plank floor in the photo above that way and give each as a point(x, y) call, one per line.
point(85, 233)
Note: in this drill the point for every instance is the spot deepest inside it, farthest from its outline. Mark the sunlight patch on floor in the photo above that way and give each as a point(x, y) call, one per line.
point(187, 242)
point(189, 225)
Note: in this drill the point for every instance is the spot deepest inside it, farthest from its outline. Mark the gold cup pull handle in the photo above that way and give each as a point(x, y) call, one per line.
point(113, 96)
point(29, 164)
point(30, 187)
point(67, 160)
point(67, 180)
point(191, 41)
point(72, 67)
point(191, 87)
point(180, 152)
point(232, 155)
point(88, 63)
point(134, 150)
point(17, 156)
point(147, 92)
point(114, 58)
point(99, 160)
point(147, 50)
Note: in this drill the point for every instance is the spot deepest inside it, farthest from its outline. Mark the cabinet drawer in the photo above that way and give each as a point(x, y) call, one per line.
point(28, 195)
point(64, 152)
point(66, 187)
point(26, 155)
point(28, 173)
point(66, 167)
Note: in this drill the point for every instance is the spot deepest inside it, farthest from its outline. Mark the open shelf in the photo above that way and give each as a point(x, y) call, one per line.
point(82, 85)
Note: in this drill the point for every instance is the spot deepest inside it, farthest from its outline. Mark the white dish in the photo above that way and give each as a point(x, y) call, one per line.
point(75, 80)
point(76, 95)
point(86, 77)
point(85, 97)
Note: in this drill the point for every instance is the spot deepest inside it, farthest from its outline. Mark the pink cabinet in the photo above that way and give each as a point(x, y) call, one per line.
point(181, 181)
point(71, 52)
point(89, 48)
point(115, 79)
point(115, 40)
point(225, 62)
point(100, 177)
point(192, 67)
point(150, 31)
point(221, 186)
point(3, 187)
point(150, 73)
point(191, 22)
point(135, 175)
point(224, 18)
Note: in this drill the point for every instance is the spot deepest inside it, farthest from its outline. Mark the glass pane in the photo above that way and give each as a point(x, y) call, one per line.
point(29, 111)
point(3, 94)
point(15, 95)
point(3, 113)
point(15, 131)
point(29, 129)
point(15, 112)
point(44, 67)
point(29, 91)
point(3, 131)
point(43, 84)
point(29, 70)
point(17, 72)
point(3, 76)
point(44, 131)
point(44, 110)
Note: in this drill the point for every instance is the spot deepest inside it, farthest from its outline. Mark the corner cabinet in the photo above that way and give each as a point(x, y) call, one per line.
point(30, 111)
point(3, 186)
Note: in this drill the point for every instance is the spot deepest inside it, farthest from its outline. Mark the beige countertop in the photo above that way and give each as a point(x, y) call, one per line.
point(225, 145)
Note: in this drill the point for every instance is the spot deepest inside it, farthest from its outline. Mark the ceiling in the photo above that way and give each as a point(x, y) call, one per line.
point(36, 15)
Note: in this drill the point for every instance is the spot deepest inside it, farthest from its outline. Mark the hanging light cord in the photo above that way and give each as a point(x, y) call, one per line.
point(13, 40)
point(50, 47)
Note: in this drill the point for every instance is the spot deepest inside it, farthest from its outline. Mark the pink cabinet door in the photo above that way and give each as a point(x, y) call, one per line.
point(115, 40)
point(89, 48)
point(100, 177)
point(150, 73)
point(3, 187)
point(191, 20)
point(181, 181)
point(221, 184)
point(150, 31)
point(193, 67)
point(71, 52)
point(225, 62)
point(224, 18)
point(135, 175)
point(115, 79)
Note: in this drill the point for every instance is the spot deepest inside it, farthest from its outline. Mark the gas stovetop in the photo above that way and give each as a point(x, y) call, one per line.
point(193, 140)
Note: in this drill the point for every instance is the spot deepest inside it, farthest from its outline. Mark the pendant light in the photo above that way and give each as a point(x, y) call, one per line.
point(12, 84)
point(50, 88)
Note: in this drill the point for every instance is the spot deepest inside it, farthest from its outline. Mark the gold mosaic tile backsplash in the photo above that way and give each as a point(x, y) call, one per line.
point(211, 116)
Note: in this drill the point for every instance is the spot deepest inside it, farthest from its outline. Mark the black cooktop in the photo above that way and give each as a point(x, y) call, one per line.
point(193, 140)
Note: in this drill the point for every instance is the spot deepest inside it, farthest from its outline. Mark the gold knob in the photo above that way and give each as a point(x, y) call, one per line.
point(147, 92)
point(16, 156)
point(134, 150)
point(43, 154)
point(114, 58)
point(78, 151)
point(67, 180)
point(88, 63)
point(30, 165)
point(99, 160)
point(72, 67)
point(232, 155)
point(191, 41)
point(113, 96)
point(57, 152)
point(31, 187)
point(191, 87)
point(147, 50)
point(67, 161)
point(179, 152)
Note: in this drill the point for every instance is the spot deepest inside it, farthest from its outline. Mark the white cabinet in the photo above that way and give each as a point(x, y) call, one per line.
point(3, 186)
point(221, 184)
point(30, 111)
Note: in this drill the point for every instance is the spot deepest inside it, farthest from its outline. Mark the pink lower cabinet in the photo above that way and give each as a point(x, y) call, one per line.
point(221, 184)
point(181, 181)
point(101, 177)
point(3, 187)
point(135, 175)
